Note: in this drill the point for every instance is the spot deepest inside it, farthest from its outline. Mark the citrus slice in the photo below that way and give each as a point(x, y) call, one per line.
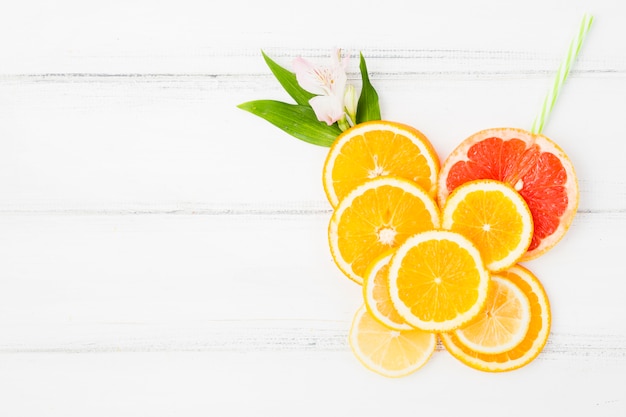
point(494, 217)
point(503, 323)
point(392, 353)
point(437, 280)
point(376, 295)
point(376, 217)
point(533, 164)
point(377, 148)
point(534, 340)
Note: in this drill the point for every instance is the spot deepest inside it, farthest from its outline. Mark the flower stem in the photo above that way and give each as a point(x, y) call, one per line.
point(343, 123)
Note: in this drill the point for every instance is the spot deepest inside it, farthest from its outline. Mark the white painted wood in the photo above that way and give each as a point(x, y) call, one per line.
point(185, 282)
point(180, 143)
point(164, 253)
point(191, 36)
point(302, 383)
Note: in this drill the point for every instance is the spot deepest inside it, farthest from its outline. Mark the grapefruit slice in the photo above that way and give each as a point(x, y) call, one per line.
point(532, 164)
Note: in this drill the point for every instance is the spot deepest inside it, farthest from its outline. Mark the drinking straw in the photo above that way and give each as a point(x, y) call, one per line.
point(562, 73)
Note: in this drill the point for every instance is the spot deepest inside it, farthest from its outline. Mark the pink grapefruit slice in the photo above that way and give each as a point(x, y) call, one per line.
point(532, 164)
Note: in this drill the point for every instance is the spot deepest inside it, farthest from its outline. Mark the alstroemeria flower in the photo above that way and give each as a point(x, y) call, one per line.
point(327, 83)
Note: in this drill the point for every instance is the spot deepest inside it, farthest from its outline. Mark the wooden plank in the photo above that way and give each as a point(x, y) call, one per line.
point(190, 36)
point(126, 144)
point(155, 282)
point(245, 336)
point(164, 268)
point(302, 383)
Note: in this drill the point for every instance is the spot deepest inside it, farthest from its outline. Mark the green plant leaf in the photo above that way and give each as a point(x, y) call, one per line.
point(289, 82)
point(297, 120)
point(368, 107)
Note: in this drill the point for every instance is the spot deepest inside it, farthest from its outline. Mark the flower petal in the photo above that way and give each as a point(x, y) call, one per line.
point(328, 109)
point(338, 86)
point(338, 60)
point(306, 74)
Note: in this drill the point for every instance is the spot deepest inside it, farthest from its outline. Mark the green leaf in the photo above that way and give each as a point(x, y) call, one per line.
point(367, 108)
point(289, 82)
point(297, 120)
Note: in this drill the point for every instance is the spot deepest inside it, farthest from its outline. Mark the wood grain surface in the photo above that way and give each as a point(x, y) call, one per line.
point(165, 253)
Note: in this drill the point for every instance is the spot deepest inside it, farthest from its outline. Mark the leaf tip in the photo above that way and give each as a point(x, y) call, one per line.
point(247, 106)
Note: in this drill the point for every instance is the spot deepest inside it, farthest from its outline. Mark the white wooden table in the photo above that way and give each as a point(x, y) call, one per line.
point(163, 253)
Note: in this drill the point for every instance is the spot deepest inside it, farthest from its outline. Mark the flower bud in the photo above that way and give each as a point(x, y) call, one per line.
point(351, 100)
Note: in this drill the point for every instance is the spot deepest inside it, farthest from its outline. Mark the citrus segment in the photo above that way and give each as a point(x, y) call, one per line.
point(376, 217)
point(494, 217)
point(392, 353)
point(532, 164)
point(376, 295)
point(534, 340)
point(378, 148)
point(437, 280)
point(503, 323)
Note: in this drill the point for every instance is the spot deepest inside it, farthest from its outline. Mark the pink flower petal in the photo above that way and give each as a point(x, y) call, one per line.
point(327, 109)
point(306, 76)
point(338, 86)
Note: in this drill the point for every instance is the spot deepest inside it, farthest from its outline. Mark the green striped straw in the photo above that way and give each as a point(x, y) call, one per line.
point(562, 73)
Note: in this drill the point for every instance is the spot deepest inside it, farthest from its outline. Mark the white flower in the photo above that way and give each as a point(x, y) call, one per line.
point(327, 83)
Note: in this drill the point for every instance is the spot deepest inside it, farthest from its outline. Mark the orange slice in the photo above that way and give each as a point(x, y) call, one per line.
point(378, 148)
point(392, 353)
point(503, 323)
point(437, 281)
point(532, 164)
point(534, 340)
point(377, 216)
point(376, 295)
point(494, 217)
